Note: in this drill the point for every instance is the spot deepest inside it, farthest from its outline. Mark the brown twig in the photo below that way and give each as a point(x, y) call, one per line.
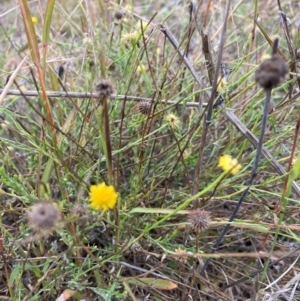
point(87, 95)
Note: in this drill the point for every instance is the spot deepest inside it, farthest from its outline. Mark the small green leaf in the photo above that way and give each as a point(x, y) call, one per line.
point(294, 174)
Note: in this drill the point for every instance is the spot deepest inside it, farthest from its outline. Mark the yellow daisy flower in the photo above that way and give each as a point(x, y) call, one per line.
point(103, 197)
point(34, 19)
point(229, 164)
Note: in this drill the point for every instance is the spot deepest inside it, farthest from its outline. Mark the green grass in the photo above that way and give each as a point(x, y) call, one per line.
point(54, 148)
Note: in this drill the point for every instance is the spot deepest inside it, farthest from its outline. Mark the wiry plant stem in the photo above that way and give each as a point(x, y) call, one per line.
point(268, 75)
point(107, 141)
point(249, 182)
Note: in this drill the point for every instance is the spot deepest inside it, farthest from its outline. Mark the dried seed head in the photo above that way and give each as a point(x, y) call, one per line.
point(136, 247)
point(199, 220)
point(44, 216)
point(271, 71)
point(119, 15)
point(130, 38)
point(181, 255)
point(80, 210)
point(222, 85)
point(144, 107)
point(173, 120)
point(141, 26)
point(104, 89)
point(82, 213)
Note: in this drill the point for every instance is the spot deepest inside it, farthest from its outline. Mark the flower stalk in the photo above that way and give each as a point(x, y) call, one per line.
point(105, 89)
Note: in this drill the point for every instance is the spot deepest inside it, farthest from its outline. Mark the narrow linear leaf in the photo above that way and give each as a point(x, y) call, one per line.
point(294, 174)
point(264, 33)
point(46, 30)
point(157, 210)
point(47, 22)
point(30, 32)
point(160, 284)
